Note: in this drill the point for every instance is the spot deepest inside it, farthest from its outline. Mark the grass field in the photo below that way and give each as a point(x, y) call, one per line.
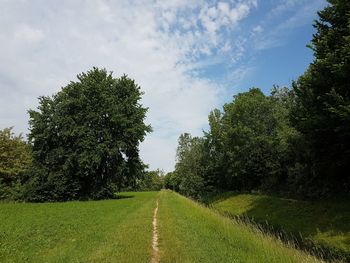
point(192, 233)
point(121, 231)
point(323, 222)
point(95, 231)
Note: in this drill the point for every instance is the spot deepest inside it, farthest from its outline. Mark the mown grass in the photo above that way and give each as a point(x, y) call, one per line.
point(95, 231)
point(324, 223)
point(189, 232)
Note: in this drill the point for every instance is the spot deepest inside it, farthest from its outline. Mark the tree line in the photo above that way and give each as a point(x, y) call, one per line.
point(293, 142)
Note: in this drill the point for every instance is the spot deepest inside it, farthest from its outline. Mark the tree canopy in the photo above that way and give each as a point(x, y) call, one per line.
point(85, 138)
point(15, 160)
point(15, 155)
point(321, 112)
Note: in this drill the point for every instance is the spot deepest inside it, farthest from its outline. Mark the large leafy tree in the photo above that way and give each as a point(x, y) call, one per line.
point(247, 145)
point(250, 140)
point(322, 103)
point(86, 138)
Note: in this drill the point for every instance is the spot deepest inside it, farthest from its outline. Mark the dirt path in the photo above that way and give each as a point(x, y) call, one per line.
point(155, 256)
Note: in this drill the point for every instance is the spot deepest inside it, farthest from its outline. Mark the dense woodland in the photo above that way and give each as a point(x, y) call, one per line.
point(293, 142)
point(83, 141)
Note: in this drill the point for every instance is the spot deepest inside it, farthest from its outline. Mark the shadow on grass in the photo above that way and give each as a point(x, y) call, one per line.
point(123, 196)
point(299, 221)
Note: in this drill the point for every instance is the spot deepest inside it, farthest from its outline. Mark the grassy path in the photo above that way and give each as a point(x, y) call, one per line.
point(155, 245)
point(96, 231)
point(124, 230)
point(192, 233)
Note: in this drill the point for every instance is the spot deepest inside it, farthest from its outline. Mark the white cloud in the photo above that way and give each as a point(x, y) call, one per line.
point(44, 44)
point(284, 6)
point(257, 29)
point(213, 18)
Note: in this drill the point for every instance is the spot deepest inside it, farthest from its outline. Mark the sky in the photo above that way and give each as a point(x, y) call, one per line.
point(188, 56)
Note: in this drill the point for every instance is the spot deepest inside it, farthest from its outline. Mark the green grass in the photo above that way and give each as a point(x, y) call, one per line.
point(95, 231)
point(121, 231)
point(192, 233)
point(323, 222)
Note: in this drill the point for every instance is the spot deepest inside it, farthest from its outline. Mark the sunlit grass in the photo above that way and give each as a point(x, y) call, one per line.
point(326, 223)
point(190, 232)
point(121, 231)
point(95, 231)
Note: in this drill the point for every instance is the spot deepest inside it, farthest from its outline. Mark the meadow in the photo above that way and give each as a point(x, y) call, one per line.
point(93, 231)
point(121, 231)
point(190, 232)
point(325, 223)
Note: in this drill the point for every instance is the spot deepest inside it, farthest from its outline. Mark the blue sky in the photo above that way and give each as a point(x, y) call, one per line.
point(188, 56)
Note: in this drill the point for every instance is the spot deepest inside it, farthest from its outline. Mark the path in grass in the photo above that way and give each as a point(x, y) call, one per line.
point(95, 231)
point(189, 232)
point(155, 255)
point(141, 227)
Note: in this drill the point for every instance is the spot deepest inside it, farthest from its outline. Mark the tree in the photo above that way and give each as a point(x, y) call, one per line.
point(248, 144)
point(322, 104)
point(15, 155)
point(85, 138)
point(190, 166)
point(216, 156)
point(151, 181)
point(250, 139)
point(15, 159)
point(172, 181)
point(246, 148)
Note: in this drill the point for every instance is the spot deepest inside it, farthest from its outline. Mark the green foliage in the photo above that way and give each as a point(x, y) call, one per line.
point(15, 160)
point(250, 140)
point(321, 112)
point(246, 148)
point(190, 166)
point(295, 142)
point(171, 181)
point(85, 138)
point(15, 155)
point(151, 181)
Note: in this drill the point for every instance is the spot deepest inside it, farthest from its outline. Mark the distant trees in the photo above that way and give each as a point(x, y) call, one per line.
point(190, 165)
point(15, 159)
point(85, 138)
point(293, 142)
point(172, 181)
point(150, 181)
